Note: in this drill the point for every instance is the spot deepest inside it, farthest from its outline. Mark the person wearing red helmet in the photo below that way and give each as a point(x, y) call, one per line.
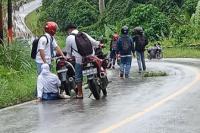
point(113, 49)
point(47, 45)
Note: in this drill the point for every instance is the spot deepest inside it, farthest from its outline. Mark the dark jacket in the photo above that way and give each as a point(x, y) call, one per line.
point(140, 42)
point(120, 45)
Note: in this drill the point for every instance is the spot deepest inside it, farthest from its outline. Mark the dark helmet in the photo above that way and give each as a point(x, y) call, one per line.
point(138, 30)
point(124, 30)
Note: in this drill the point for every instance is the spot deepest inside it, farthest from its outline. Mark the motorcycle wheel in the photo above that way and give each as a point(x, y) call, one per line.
point(66, 88)
point(104, 82)
point(94, 88)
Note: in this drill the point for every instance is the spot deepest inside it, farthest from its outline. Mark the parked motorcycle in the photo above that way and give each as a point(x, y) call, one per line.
point(66, 73)
point(95, 71)
point(154, 54)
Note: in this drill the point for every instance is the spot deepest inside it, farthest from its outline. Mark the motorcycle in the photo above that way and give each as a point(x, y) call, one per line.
point(66, 73)
point(154, 54)
point(95, 71)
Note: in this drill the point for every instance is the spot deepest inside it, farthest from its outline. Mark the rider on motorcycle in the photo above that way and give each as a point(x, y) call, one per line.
point(72, 50)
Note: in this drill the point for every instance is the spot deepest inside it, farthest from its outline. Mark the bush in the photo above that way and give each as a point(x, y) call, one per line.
point(15, 56)
point(80, 12)
point(155, 23)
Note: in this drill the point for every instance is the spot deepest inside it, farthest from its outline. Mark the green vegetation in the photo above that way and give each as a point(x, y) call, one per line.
point(174, 21)
point(181, 53)
point(17, 75)
point(32, 21)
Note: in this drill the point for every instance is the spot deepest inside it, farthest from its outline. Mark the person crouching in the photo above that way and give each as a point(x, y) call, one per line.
point(48, 85)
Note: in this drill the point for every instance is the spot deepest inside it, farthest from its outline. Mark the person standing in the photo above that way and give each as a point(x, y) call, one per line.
point(72, 49)
point(113, 49)
point(46, 46)
point(140, 42)
point(125, 49)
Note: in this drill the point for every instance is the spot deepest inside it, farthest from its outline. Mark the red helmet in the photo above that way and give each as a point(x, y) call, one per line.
point(115, 37)
point(51, 28)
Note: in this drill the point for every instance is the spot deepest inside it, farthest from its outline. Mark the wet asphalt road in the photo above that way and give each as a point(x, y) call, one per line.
point(136, 105)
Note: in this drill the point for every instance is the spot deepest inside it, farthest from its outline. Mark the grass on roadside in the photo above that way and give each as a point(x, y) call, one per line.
point(16, 87)
point(17, 75)
point(155, 74)
point(33, 23)
point(181, 53)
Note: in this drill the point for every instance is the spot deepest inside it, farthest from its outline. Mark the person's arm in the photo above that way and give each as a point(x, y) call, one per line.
point(41, 46)
point(57, 48)
point(42, 54)
point(118, 46)
point(132, 47)
point(111, 45)
point(94, 43)
point(59, 51)
point(68, 47)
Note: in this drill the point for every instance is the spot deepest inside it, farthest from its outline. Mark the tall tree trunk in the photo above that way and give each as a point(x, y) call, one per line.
point(10, 26)
point(1, 22)
point(101, 6)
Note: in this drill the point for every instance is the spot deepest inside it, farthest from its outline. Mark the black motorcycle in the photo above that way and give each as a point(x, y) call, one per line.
point(66, 73)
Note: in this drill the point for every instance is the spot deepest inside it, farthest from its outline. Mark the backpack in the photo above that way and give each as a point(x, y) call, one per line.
point(141, 42)
point(83, 44)
point(114, 45)
point(126, 46)
point(35, 46)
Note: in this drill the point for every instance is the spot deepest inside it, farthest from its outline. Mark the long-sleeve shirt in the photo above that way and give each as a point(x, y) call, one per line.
point(72, 49)
point(47, 83)
point(140, 42)
point(120, 46)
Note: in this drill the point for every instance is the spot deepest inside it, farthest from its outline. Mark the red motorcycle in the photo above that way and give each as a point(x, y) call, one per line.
point(95, 71)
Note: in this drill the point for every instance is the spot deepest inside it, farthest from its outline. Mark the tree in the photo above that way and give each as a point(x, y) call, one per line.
point(10, 31)
point(1, 22)
point(196, 16)
point(101, 6)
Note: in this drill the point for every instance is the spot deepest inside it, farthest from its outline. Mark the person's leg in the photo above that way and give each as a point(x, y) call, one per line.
point(79, 79)
point(39, 65)
point(128, 67)
point(122, 66)
point(139, 60)
point(143, 61)
point(114, 58)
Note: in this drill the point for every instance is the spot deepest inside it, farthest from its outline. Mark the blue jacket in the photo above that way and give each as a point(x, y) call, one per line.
point(120, 45)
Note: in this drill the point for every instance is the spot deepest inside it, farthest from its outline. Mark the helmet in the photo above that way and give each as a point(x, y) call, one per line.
point(51, 28)
point(138, 30)
point(115, 37)
point(124, 30)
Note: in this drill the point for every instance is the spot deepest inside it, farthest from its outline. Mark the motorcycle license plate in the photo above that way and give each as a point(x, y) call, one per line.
point(63, 76)
point(62, 70)
point(91, 71)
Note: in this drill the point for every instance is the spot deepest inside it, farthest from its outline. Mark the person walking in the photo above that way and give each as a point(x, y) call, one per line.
point(140, 42)
point(113, 50)
point(125, 49)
